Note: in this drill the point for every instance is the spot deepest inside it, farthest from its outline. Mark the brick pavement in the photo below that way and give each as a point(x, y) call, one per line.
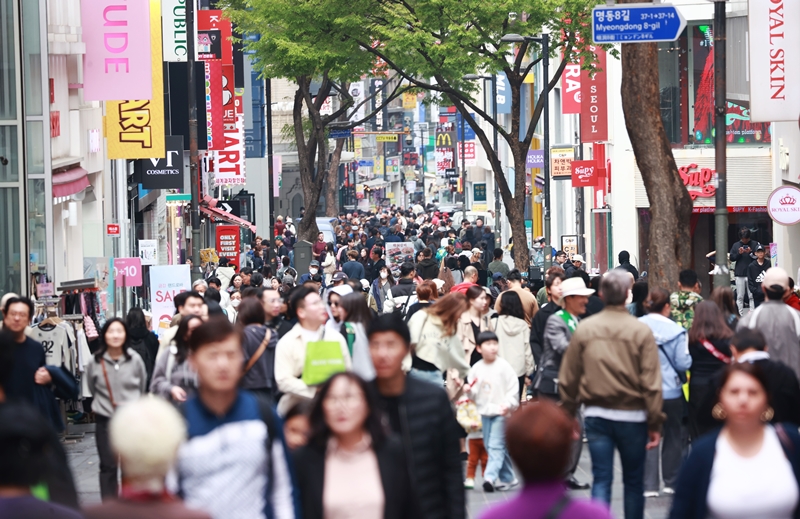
point(85, 466)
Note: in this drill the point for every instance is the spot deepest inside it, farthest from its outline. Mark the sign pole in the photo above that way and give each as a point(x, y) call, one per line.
point(722, 277)
point(270, 179)
point(191, 41)
point(548, 257)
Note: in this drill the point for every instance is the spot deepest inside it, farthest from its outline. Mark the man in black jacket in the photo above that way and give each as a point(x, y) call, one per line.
point(625, 264)
point(428, 268)
point(755, 275)
point(743, 253)
point(420, 413)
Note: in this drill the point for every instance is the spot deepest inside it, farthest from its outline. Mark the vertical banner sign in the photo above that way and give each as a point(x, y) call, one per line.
point(135, 129)
point(166, 282)
point(230, 159)
point(277, 174)
point(173, 30)
point(148, 252)
point(116, 64)
point(585, 173)
point(560, 160)
point(503, 94)
point(214, 37)
point(214, 111)
point(594, 100)
point(357, 93)
point(571, 89)
point(774, 60)
point(228, 104)
point(228, 243)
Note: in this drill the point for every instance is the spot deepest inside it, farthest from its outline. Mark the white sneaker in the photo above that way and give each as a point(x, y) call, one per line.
point(668, 491)
point(651, 494)
point(502, 486)
point(469, 483)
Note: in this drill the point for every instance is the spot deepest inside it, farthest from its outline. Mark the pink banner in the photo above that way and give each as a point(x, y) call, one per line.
point(116, 65)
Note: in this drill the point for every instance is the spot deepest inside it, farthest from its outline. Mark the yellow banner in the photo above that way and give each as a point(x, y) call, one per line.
point(386, 137)
point(409, 101)
point(135, 129)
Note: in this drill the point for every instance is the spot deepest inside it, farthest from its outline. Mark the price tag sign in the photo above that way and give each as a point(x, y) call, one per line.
point(128, 272)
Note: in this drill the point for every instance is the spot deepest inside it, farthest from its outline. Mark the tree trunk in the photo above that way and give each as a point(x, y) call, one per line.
point(306, 153)
point(332, 192)
point(515, 209)
point(670, 203)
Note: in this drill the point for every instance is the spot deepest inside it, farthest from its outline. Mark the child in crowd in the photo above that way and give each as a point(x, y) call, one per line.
point(492, 384)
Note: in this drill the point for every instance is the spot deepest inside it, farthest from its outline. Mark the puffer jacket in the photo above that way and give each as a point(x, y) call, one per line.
point(430, 434)
point(513, 335)
point(428, 268)
point(401, 296)
point(431, 344)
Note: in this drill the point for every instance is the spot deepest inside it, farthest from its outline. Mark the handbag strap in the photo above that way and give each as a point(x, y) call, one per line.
point(660, 347)
point(715, 352)
point(556, 510)
point(108, 384)
point(259, 352)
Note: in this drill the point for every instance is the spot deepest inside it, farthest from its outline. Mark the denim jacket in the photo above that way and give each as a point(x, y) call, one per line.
point(672, 340)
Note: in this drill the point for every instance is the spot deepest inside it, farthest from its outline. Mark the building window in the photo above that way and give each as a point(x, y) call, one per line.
point(10, 260)
point(36, 225)
point(8, 63)
point(8, 150)
point(34, 142)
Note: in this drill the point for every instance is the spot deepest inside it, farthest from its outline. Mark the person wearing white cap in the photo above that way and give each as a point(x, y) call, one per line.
point(779, 322)
point(577, 264)
point(557, 335)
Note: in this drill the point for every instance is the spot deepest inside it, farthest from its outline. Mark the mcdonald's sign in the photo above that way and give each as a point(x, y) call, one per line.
point(445, 139)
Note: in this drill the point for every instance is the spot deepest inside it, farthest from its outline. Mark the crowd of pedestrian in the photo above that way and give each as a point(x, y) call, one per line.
point(364, 387)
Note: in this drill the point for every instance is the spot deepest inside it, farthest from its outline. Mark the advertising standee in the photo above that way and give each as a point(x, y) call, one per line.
point(228, 243)
point(166, 281)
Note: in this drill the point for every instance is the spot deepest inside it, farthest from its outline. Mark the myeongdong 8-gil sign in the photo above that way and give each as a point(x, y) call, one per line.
point(631, 23)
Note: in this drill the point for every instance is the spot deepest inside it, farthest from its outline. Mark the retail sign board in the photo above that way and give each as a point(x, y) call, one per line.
point(585, 173)
point(117, 62)
point(128, 272)
point(783, 205)
point(228, 243)
point(569, 244)
point(560, 162)
point(632, 23)
point(166, 173)
point(148, 252)
point(112, 229)
point(166, 282)
point(386, 137)
point(594, 99)
point(534, 159)
point(173, 13)
point(774, 56)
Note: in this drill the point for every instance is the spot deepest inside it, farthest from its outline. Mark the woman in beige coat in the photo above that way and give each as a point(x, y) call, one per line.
point(474, 321)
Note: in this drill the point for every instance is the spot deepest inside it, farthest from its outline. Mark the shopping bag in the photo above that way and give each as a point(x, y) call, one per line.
point(323, 359)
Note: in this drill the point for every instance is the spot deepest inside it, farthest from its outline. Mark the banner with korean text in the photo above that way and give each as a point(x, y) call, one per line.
point(116, 64)
point(135, 129)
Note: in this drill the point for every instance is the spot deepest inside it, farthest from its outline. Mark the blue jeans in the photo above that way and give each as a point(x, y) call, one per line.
point(630, 439)
point(498, 468)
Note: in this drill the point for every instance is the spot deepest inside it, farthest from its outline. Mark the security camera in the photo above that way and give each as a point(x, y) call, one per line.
point(3, 161)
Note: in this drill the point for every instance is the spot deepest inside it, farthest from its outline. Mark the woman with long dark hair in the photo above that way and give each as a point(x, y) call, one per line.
point(709, 346)
point(723, 297)
point(350, 466)
point(473, 321)
point(354, 314)
point(636, 307)
point(514, 337)
point(236, 283)
point(174, 378)
point(382, 286)
point(115, 375)
point(142, 340)
point(258, 347)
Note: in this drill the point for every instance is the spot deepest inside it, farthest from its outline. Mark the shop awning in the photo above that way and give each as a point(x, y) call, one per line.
point(225, 216)
point(376, 184)
point(70, 182)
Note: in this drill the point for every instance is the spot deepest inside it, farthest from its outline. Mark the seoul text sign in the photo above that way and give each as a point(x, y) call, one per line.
point(631, 23)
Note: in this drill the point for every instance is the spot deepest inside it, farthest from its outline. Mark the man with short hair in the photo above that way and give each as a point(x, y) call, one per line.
point(742, 253)
point(234, 464)
point(686, 299)
point(352, 267)
point(186, 303)
point(420, 413)
point(470, 280)
point(319, 247)
point(404, 293)
point(625, 264)
point(375, 264)
point(225, 297)
point(777, 321)
point(338, 279)
point(561, 259)
point(498, 265)
point(465, 234)
point(290, 352)
point(529, 303)
point(246, 272)
point(428, 268)
point(612, 368)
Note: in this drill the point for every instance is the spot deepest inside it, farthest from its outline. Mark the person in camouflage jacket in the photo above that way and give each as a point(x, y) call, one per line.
point(685, 300)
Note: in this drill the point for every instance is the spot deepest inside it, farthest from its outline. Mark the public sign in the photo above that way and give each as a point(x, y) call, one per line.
point(117, 60)
point(166, 282)
point(783, 205)
point(128, 272)
point(228, 243)
point(366, 163)
point(340, 134)
point(112, 229)
point(166, 173)
point(631, 23)
point(148, 252)
point(774, 57)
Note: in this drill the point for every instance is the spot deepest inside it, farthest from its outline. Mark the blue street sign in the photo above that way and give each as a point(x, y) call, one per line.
point(366, 163)
point(340, 134)
point(631, 23)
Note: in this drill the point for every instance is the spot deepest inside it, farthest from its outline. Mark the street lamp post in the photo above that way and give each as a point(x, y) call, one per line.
point(722, 277)
point(544, 41)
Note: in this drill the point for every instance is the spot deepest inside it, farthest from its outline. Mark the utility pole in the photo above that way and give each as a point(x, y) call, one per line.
point(498, 240)
point(271, 179)
point(191, 41)
point(722, 278)
point(546, 131)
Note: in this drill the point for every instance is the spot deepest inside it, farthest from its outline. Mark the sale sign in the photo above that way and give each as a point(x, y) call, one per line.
point(228, 243)
point(166, 282)
point(584, 173)
point(128, 272)
point(594, 100)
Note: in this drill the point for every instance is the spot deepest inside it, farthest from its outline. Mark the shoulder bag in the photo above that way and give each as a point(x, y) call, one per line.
point(715, 352)
point(108, 384)
point(259, 352)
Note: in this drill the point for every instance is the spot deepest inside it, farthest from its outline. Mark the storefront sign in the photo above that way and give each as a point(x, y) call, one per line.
point(702, 179)
point(128, 272)
point(357, 93)
point(569, 244)
point(783, 205)
point(214, 37)
point(503, 94)
point(230, 161)
point(560, 160)
point(148, 252)
point(135, 129)
point(386, 137)
point(112, 229)
point(571, 89)
point(173, 13)
point(214, 112)
point(117, 62)
point(585, 173)
point(470, 157)
point(774, 56)
point(409, 101)
point(594, 100)
point(228, 243)
point(166, 282)
point(166, 173)
point(55, 124)
point(534, 159)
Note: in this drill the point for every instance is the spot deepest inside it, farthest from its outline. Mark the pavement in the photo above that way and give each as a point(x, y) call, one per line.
point(85, 466)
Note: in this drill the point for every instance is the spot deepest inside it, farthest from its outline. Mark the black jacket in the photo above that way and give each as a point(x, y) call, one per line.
point(281, 325)
point(630, 268)
point(374, 269)
point(537, 329)
point(309, 464)
point(146, 338)
point(755, 275)
point(405, 287)
point(428, 268)
point(430, 436)
point(743, 260)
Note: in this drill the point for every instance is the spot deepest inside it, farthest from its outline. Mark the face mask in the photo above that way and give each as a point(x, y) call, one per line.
point(384, 275)
point(235, 303)
point(313, 272)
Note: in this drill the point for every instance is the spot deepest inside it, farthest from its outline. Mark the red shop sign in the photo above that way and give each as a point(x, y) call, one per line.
point(702, 179)
point(594, 100)
point(228, 243)
point(585, 173)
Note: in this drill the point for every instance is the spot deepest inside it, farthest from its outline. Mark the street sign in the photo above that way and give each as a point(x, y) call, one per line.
point(631, 23)
point(366, 163)
point(340, 134)
point(112, 229)
point(226, 207)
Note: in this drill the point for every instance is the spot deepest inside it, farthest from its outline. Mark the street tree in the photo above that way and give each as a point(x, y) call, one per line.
point(434, 45)
point(670, 204)
point(302, 41)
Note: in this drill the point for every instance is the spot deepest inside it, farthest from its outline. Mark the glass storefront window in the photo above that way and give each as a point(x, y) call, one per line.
point(10, 266)
point(8, 66)
point(36, 225)
point(34, 142)
point(32, 57)
point(9, 172)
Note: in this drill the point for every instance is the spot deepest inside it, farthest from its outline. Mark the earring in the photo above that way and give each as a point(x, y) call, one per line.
point(718, 412)
point(767, 415)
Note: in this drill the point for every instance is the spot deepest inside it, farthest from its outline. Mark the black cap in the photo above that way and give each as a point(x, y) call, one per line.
point(760, 247)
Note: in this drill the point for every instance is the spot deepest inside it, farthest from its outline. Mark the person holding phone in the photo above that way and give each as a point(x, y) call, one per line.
point(743, 253)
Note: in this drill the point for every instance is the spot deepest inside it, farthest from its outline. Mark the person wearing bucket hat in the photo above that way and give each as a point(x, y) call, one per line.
point(557, 335)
